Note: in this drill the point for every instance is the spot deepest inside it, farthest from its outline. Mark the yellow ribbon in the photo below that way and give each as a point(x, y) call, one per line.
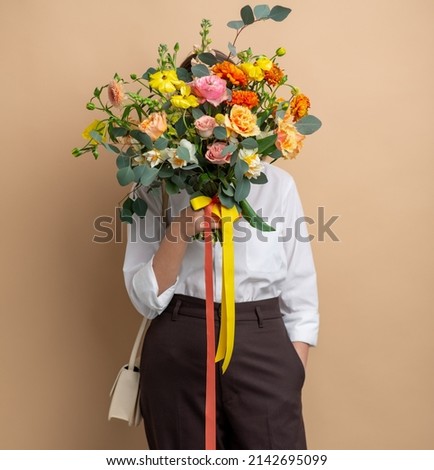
point(227, 328)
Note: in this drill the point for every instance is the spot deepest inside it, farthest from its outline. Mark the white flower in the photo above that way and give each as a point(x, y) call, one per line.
point(191, 149)
point(251, 157)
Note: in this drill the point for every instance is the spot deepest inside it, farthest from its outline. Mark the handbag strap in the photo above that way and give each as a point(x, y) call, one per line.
point(142, 330)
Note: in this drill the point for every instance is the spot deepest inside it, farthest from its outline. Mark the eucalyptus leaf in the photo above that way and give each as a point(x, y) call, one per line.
point(96, 136)
point(112, 148)
point(228, 190)
point(249, 143)
point(171, 188)
point(140, 207)
point(276, 154)
point(128, 205)
point(119, 131)
point(247, 15)
point(165, 171)
point(279, 13)
point(126, 215)
point(232, 48)
point(161, 143)
point(183, 153)
point(207, 58)
point(220, 133)
point(308, 124)
point(125, 176)
point(280, 113)
point(197, 113)
point(200, 70)
point(138, 172)
point(180, 127)
point(261, 179)
point(122, 160)
point(227, 201)
point(149, 72)
point(234, 157)
point(261, 11)
point(241, 167)
point(143, 138)
point(228, 149)
point(242, 189)
point(183, 74)
point(236, 24)
point(149, 175)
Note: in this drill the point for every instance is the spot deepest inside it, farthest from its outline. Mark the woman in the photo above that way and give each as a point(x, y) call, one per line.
point(259, 402)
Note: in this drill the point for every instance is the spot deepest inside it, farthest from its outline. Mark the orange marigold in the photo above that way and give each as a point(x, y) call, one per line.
point(299, 106)
point(229, 71)
point(274, 75)
point(244, 98)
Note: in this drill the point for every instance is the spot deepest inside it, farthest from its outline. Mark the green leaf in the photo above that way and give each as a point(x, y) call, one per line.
point(261, 179)
point(149, 175)
point(165, 171)
point(308, 124)
point(149, 72)
point(140, 207)
point(119, 131)
point(253, 218)
point(276, 154)
point(183, 74)
point(279, 13)
point(261, 11)
point(247, 15)
point(235, 24)
point(125, 176)
point(161, 143)
point(232, 48)
point(183, 153)
point(228, 190)
point(242, 189)
point(228, 149)
point(200, 70)
point(178, 180)
point(197, 113)
point(111, 148)
point(266, 143)
point(180, 127)
point(171, 188)
point(241, 167)
point(207, 58)
point(122, 160)
point(227, 201)
point(234, 157)
point(143, 138)
point(220, 133)
point(249, 143)
point(96, 136)
point(138, 172)
point(126, 212)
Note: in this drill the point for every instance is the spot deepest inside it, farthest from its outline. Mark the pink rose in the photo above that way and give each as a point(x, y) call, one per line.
point(205, 126)
point(214, 153)
point(210, 88)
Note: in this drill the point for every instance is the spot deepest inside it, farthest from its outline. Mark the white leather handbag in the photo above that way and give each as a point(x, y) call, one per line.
point(125, 392)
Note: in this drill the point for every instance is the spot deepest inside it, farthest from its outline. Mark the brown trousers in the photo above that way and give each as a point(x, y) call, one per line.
point(258, 397)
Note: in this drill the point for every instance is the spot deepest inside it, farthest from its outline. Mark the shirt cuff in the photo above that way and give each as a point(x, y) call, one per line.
point(145, 287)
point(302, 326)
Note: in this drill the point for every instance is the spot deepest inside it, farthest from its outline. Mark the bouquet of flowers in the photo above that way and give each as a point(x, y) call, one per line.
point(205, 125)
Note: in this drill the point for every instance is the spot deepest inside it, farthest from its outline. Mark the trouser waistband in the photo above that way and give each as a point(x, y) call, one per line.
point(256, 310)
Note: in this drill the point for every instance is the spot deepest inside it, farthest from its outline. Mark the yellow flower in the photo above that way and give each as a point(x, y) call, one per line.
point(185, 99)
point(289, 140)
point(165, 81)
point(264, 63)
point(253, 72)
point(97, 126)
point(242, 121)
point(251, 157)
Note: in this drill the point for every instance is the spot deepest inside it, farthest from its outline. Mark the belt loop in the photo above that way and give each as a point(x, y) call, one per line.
point(176, 310)
point(259, 316)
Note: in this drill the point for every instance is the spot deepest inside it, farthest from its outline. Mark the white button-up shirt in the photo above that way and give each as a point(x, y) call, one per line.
point(267, 264)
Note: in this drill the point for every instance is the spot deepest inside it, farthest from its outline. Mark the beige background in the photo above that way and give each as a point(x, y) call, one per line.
point(66, 322)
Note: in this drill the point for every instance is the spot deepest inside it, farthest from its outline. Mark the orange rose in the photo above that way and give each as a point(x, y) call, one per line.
point(242, 121)
point(155, 125)
point(289, 140)
point(299, 106)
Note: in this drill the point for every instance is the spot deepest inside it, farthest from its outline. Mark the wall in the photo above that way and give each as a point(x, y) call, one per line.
point(66, 322)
